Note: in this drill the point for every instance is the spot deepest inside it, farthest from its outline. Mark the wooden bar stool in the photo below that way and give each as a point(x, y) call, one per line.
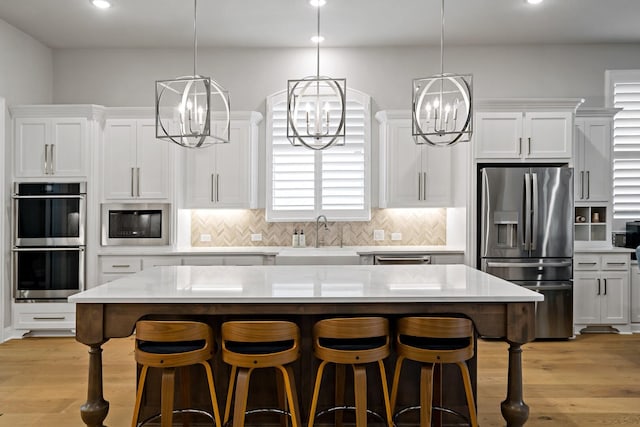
point(431, 341)
point(169, 345)
point(356, 342)
point(249, 345)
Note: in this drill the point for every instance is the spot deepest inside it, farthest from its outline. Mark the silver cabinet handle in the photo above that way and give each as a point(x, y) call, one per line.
point(46, 159)
point(588, 186)
point(217, 187)
point(48, 318)
point(138, 181)
point(616, 263)
point(424, 186)
point(598, 287)
point(587, 263)
point(419, 186)
point(120, 265)
point(213, 188)
point(52, 159)
point(132, 174)
point(519, 146)
point(582, 184)
point(529, 146)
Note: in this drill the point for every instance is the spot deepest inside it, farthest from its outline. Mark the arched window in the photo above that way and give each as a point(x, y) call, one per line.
point(303, 183)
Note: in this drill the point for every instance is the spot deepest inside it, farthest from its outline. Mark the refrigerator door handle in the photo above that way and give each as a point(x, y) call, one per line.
point(534, 221)
point(527, 211)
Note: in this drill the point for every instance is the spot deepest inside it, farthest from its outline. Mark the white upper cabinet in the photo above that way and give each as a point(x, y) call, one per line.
point(411, 175)
point(225, 175)
point(136, 165)
point(53, 141)
point(509, 131)
point(593, 138)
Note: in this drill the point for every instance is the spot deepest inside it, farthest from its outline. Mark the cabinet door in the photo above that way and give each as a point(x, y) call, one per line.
point(579, 148)
point(548, 135)
point(200, 177)
point(597, 167)
point(31, 137)
point(437, 171)
point(615, 297)
point(635, 293)
point(586, 297)
point(498, 135)
point(119, 159)
point(232, 178)
point(401, 179)
point(69, 147)
point(153, 164)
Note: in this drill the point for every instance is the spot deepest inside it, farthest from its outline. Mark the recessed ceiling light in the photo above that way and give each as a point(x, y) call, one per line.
point(317, 39)
point(317, 3)
point(101, 4)
point(534, 1)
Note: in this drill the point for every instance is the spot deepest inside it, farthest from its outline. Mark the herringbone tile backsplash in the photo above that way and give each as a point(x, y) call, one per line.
point(234, 228)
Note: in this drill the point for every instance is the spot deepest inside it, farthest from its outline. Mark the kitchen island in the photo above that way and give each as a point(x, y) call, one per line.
point(499, 309)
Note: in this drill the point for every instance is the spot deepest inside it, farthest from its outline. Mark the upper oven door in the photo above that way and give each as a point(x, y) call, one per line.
point(49, 220)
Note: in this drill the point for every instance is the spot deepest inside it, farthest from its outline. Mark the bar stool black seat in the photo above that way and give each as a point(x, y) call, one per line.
point(168, 345)
point(250, 345)
point(356, 342)
point(432, 341)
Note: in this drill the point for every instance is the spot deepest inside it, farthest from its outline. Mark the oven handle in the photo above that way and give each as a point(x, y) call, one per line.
point(49, 249)
point(65, 196)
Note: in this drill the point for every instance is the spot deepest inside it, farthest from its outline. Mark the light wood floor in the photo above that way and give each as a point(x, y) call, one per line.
point(593, 380)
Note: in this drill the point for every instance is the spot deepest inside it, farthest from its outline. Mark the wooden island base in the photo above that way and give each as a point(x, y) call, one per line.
point(509, 321)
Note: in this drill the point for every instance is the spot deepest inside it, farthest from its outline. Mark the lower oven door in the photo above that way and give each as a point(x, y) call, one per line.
point(554, 315)
point(47, 273)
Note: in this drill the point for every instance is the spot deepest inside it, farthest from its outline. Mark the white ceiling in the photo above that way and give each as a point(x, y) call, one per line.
point(290, 23)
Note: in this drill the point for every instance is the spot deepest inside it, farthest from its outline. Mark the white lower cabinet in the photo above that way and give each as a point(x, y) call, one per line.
point(601, 290)
point(45, 316)
point(635, 294)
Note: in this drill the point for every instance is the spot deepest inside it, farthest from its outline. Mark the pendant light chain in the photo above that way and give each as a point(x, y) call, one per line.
point(442, 38)
point(318, 46)
point(195, 35)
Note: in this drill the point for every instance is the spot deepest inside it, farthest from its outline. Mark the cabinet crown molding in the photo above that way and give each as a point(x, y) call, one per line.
point(90, 111)
point(528, 104)
point(597, 112)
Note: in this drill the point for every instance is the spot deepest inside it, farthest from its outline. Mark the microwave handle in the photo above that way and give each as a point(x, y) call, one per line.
point(48, 249)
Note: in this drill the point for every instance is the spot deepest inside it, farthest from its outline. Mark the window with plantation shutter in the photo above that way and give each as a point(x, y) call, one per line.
point(303, 183)
point(624, 92)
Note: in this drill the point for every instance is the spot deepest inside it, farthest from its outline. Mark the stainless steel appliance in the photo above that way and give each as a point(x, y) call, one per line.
point(526, 226)
point(401, 259)
point(48, 256)
point(137, 224)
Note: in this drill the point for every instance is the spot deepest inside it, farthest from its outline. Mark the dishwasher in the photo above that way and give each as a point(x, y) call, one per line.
point(401, 259)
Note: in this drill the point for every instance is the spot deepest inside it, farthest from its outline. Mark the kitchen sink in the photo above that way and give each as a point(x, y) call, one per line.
point(327, 255)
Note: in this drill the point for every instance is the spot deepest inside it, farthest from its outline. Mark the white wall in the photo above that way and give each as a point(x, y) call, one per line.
point(26, 77)
point(125, 77)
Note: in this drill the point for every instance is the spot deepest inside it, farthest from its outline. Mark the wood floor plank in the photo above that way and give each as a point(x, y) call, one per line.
point(591, 381)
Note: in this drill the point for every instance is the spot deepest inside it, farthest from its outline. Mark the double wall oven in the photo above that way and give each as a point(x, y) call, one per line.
point(48, 253)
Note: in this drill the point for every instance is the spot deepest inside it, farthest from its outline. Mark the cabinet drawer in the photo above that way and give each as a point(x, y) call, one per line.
point(149, 262)
point(615, 262)
point(121, 264)
point(586, 262)
point(44, 316)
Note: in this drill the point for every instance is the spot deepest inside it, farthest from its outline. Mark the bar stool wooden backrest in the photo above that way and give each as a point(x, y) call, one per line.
point(169, 345)
point(351, 341)
point(248, 345)
point(431, 341)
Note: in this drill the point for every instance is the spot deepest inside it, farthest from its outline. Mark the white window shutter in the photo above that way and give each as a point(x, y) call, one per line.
point(304, 183)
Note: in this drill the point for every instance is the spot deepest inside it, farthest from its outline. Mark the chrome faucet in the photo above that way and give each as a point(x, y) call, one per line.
point(324, 218)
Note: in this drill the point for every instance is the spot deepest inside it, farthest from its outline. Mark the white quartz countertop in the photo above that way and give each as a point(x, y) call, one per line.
point(277, 250)
point(610, 249)
point(308, 284)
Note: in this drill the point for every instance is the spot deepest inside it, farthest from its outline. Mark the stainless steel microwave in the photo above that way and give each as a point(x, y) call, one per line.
point(136, 224)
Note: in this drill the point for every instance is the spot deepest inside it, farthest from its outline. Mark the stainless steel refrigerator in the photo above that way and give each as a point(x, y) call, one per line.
point(526, 216)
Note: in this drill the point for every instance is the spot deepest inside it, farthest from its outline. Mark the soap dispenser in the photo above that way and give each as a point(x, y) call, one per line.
point(295, 239)
point(301, 242)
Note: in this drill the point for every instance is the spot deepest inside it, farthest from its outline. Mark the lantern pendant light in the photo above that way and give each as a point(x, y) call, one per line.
point(316, 106)
point(186, 106)
point(442, 112)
